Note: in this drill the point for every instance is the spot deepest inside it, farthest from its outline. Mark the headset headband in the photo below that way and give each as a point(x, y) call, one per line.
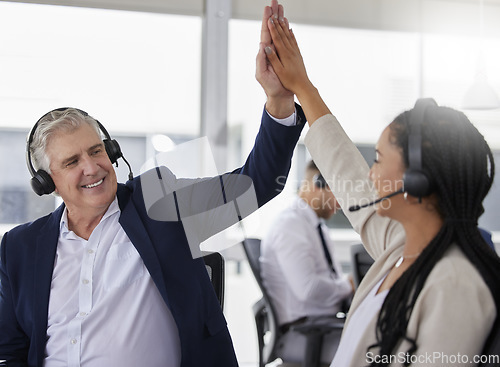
point(415, 135)
point(415, 180)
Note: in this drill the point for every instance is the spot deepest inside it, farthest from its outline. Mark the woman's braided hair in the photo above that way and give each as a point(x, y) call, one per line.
point(460, 164)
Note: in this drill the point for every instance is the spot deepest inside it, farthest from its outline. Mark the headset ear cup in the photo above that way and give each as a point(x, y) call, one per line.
point(319, 181)
point(42, 183)
point(416, 183)
point(113, 150)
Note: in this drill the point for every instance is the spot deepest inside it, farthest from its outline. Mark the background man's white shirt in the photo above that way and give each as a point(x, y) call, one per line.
point(294, 268)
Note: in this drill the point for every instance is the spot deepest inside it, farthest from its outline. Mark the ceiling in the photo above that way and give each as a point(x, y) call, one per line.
point(438, 16)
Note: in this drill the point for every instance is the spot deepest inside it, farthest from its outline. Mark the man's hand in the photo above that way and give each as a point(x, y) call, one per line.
point(288, 65)
point(280, 103)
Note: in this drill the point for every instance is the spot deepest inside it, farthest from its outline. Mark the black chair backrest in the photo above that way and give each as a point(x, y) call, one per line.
point(360, 261)
point(214, 262)
point(251, 247)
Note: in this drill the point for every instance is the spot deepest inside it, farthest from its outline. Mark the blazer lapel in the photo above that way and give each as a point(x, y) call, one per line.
point(46, 246)
point(133, 226)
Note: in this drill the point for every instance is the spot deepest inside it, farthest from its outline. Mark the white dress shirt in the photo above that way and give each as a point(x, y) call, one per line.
point(104, 309)
point(294, 267)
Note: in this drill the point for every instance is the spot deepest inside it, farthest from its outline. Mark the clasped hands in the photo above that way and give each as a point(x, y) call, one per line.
point(281, 71)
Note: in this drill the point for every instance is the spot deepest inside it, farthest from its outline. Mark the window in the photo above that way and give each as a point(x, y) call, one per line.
point(367, 78)
point(129, 70)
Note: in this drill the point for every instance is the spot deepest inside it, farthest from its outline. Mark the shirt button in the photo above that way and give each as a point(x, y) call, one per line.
point(90, 251)
point(83, 313)
point(85, 281)
point(73, 341)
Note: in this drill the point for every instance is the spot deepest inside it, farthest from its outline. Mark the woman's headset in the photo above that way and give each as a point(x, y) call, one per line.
point(416, 182)
point(41, 182)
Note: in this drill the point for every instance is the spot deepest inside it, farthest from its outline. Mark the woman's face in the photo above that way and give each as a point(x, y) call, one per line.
point(387, 174)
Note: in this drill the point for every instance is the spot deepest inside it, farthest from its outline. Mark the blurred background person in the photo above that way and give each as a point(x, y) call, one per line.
point(299, 269)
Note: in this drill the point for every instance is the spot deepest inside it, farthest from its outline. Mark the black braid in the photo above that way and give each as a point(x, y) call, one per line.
point(460, 163)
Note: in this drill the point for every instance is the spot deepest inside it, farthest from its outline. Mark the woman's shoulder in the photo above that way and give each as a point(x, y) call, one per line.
point(455, 266)
point(456, 277)
point(454, 298)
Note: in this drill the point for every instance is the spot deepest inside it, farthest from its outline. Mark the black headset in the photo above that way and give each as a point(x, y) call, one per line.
point(319, 181)
point(416, 182)
point(41, 182)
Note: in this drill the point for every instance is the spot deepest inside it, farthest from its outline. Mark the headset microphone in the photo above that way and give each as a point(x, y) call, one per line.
point(355, 208)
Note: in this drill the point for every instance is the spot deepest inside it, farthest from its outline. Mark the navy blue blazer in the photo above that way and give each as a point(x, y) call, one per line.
point(28, 253)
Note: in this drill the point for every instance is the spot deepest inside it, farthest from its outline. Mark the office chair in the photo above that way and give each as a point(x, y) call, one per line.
point(360, 261)
point(269, 333)
point(214, 263)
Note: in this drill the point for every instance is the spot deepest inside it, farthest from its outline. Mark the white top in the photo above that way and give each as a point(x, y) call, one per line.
point(294, 268)
point(104, 309)
point(360, 319)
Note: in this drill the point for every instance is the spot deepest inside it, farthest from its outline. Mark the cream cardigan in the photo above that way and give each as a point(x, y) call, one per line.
point(454, 312)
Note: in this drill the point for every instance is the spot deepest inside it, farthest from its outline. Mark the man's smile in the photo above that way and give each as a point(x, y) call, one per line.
point(94, 184)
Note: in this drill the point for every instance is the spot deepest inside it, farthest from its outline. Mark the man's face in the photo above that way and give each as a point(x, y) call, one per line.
point(328, 203)
point(81, 170)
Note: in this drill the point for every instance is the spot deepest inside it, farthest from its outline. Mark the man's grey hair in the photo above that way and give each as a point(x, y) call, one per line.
point(66, 120)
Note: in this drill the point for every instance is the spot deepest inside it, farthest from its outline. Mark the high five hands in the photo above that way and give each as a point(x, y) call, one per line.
point(283, 55)
point(280, 102)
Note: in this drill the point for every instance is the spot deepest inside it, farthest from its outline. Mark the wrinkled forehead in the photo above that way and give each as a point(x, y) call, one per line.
point(66, 143)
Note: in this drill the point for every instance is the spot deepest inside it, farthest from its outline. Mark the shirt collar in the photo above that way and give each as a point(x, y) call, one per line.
point(112, 209)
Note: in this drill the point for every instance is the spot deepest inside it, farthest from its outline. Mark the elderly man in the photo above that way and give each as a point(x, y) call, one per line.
point(99, 281)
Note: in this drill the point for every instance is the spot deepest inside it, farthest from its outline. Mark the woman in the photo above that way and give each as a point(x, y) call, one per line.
point(432, 295)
